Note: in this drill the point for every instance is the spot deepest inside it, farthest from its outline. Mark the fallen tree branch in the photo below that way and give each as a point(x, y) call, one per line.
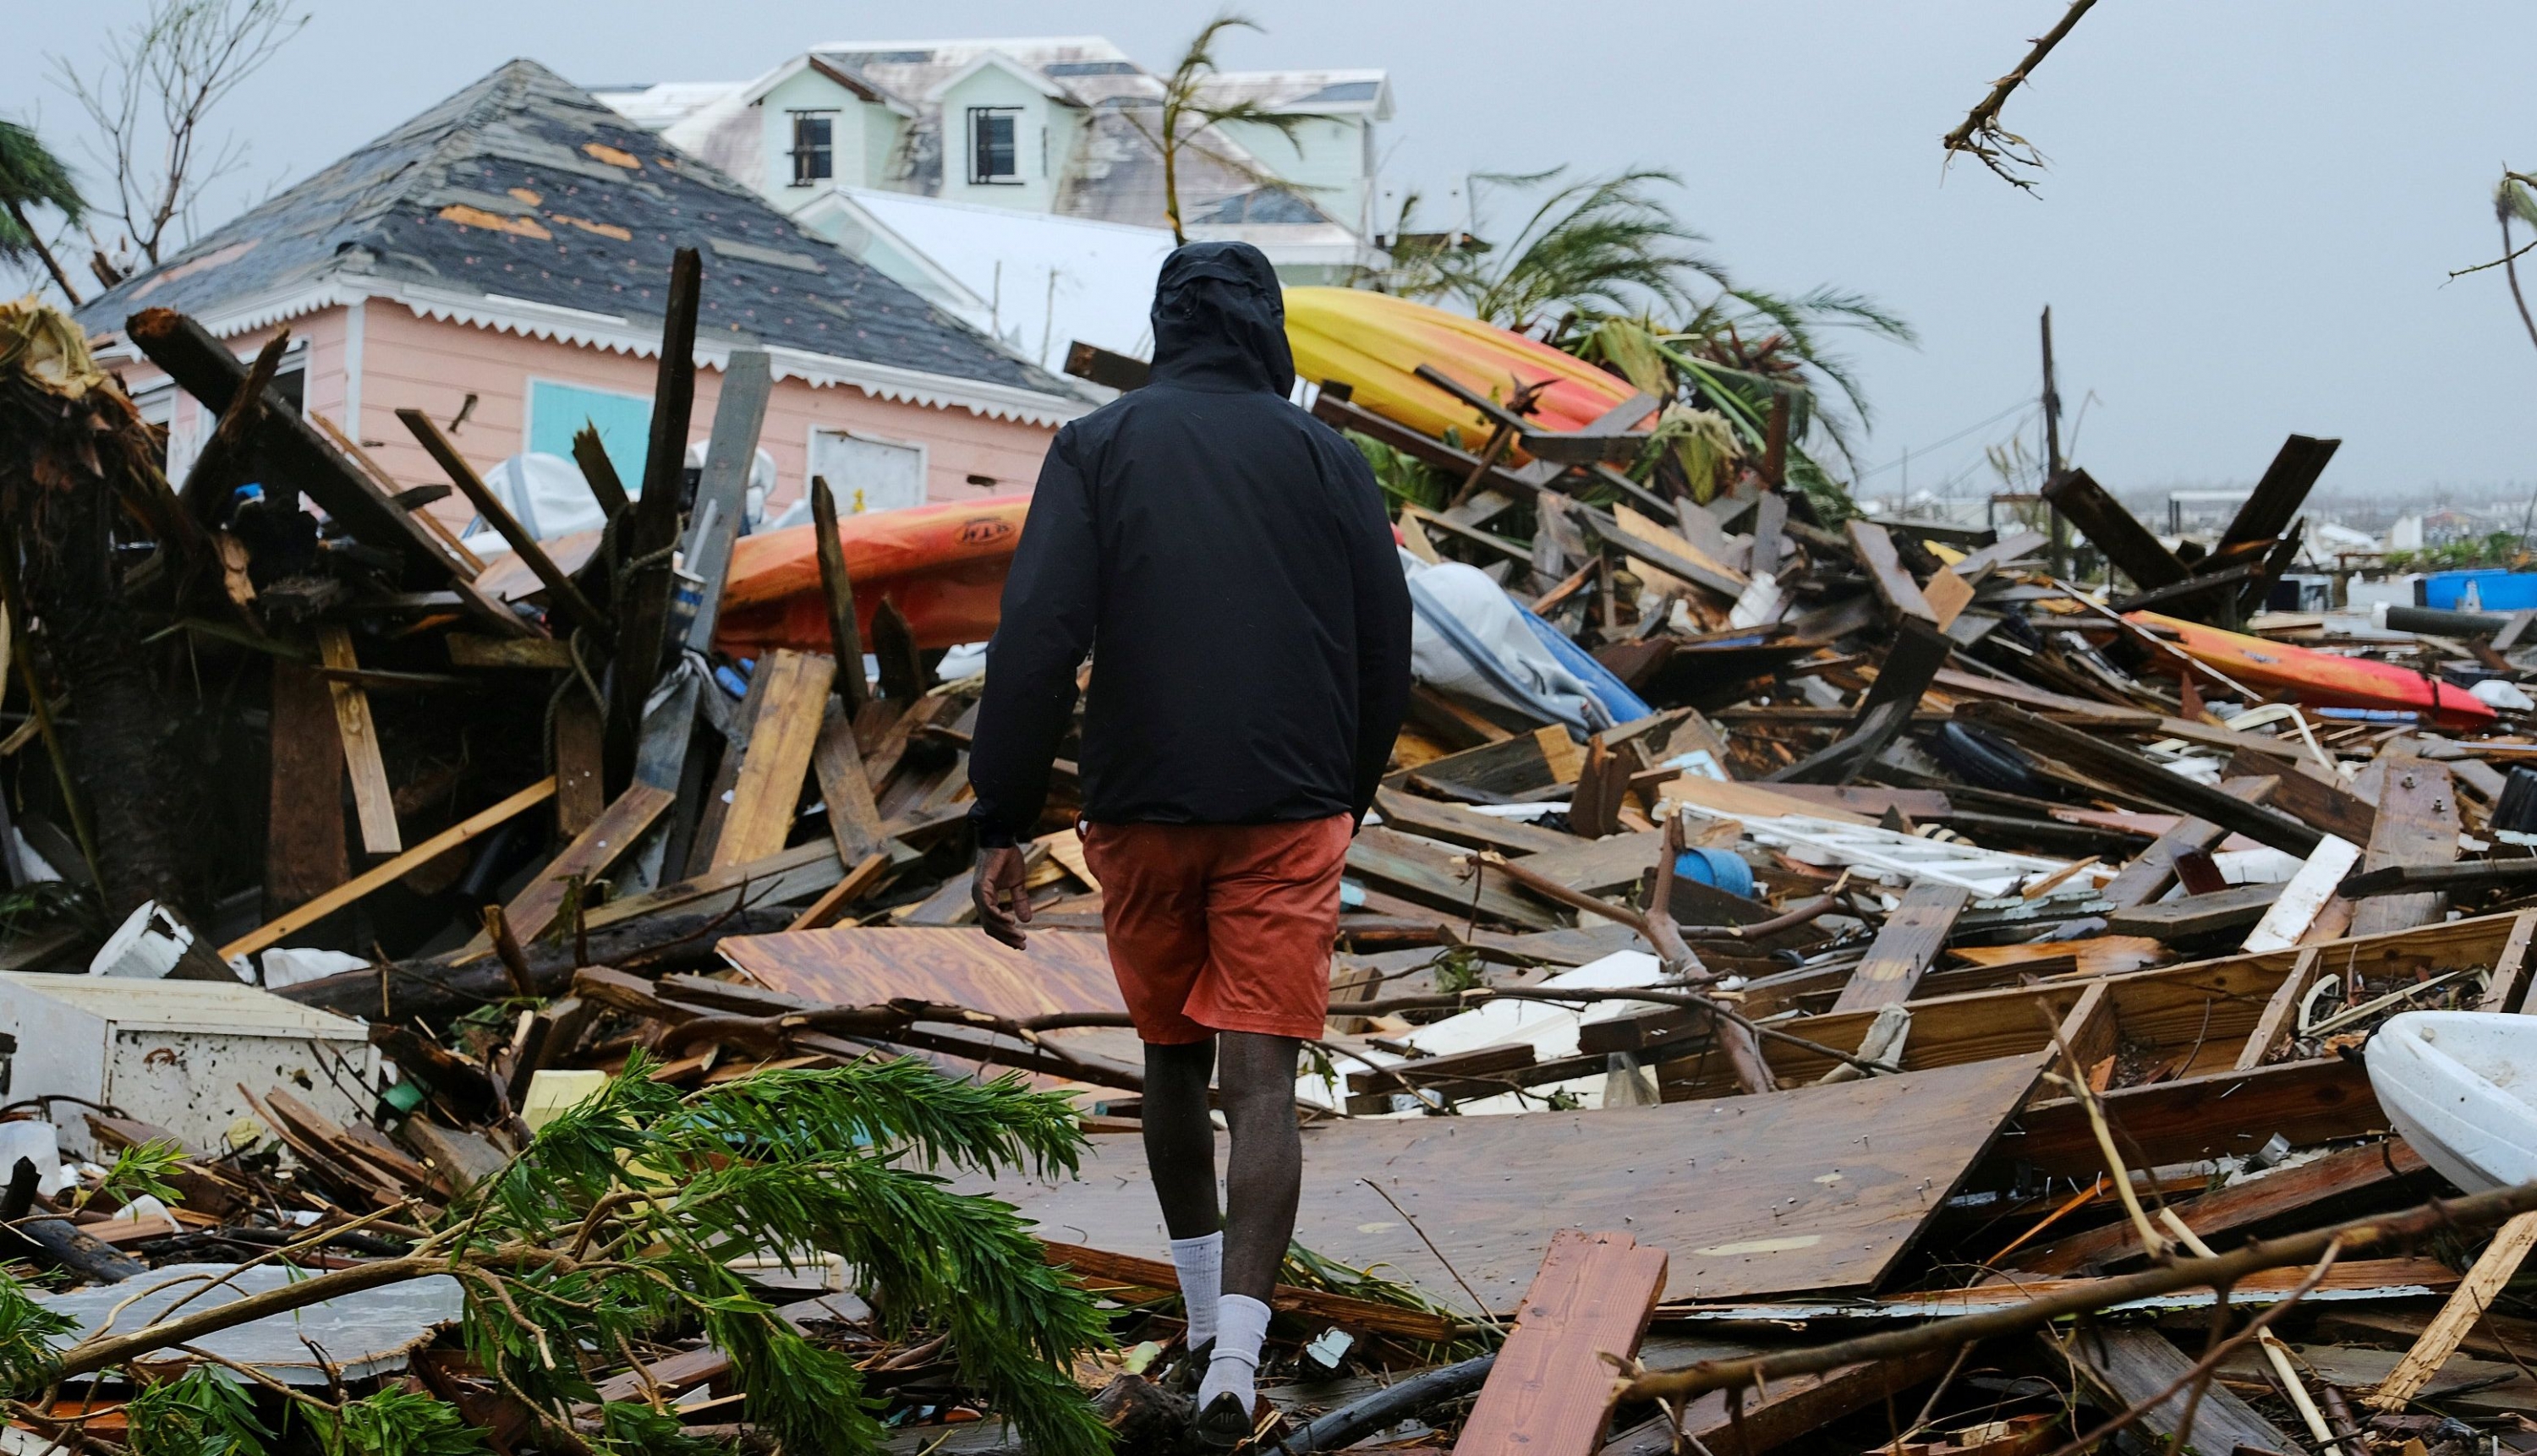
point(2381, 1233)
point(1979, 133)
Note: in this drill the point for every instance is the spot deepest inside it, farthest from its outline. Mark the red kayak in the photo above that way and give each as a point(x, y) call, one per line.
point(941, 565)
point(2320, 679)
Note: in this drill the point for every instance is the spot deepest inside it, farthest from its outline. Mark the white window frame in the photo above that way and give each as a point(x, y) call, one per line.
point(1014, 178)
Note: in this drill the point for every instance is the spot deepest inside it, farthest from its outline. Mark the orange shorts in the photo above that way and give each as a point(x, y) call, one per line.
point(1221, 928)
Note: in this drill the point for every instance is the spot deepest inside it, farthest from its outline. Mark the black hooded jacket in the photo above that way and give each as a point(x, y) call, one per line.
point(1227, 559)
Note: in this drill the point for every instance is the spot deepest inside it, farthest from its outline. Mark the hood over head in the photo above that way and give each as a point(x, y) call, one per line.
point(1221, 320)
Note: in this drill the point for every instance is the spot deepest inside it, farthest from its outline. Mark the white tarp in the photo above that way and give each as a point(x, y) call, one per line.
point(1468, 637)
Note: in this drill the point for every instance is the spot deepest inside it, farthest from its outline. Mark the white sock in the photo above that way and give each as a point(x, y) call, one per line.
point(1240, 1327)
point(1200, 1262)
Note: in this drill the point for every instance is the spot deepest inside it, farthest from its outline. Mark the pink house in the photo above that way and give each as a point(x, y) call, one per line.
point(500, 263)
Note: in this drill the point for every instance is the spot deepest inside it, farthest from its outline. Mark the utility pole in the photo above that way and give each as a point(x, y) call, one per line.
point(2059, 526)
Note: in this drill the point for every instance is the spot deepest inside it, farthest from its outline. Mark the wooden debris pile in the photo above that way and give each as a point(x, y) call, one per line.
point(1884, 1020)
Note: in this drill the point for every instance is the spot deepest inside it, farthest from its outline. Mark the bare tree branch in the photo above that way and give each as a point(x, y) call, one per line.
point(1980, 134)
point(150, 102)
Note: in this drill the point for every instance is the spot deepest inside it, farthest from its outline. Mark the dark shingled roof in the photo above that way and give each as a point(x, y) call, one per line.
point(526, 186)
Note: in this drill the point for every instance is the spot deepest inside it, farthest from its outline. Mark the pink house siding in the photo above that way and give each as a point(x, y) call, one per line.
point(407, 360)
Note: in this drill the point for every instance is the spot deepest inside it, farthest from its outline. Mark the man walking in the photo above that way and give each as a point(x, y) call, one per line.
point(1227, 559)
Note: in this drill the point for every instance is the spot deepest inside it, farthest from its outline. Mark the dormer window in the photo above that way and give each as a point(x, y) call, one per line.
point(815, 154)
point(994, 154)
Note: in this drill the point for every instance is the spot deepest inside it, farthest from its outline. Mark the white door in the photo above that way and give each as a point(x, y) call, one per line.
point(868, 475)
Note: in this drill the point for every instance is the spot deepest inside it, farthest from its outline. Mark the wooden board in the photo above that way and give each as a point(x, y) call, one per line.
point(304, 854)
point(2126, 542)
point(2231, 909)
point(592, 854)
point(1893, 585)
point(581, 793)
point(373, 799)
point(1600, 864)
point(1458, 825)
point(1905, 947)
point(1518, 765)
point(792, 691)
point(845, 786)
point(865, 965)
point(2132, 1365)
point(1819, 1188)
point(1550, 1392)
point(1424, 873)
point(2304, 792)
point(2418, 824)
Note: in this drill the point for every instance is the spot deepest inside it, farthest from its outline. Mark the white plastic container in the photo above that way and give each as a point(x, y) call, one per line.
point(2458, 1086)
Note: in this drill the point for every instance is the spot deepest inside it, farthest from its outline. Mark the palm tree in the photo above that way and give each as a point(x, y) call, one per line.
point(1185, 115)
point(32, 177)
point(1592, 249)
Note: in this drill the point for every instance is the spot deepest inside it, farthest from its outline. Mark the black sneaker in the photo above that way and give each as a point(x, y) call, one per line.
point(1224, 1423)
point(1185, 1375)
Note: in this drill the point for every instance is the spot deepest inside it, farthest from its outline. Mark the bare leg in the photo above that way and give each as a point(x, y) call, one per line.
point(1266, 1176)
point(1180, 1139)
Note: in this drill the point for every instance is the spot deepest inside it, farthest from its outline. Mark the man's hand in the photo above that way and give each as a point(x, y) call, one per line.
point(1003, 906)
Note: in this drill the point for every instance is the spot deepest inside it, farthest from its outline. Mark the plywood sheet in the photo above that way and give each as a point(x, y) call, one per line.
point(865, 965)
point(1815, 1188)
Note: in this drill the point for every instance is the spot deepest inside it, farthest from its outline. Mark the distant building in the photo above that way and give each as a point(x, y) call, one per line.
point(1063, 126)
point(501, 262)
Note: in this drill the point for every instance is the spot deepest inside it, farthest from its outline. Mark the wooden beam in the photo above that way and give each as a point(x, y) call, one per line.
point(845, 639)
point(642, 599)
point(2131, 1365)
point(2304, 793)
point(2152, 869)
point(2129, 771)
point(560, 590)
point(2342, 1174)
point(2492, 1272)
point(2277, 497)
point(1905, 947)
point(825, 912)
point(598, 473)
point(768, 793)
point(2126, 542)
point(1552, 1391)
point(2235, 908)
point(581, 791)
point(273, 932)
point(591, 853)
point(373, 798)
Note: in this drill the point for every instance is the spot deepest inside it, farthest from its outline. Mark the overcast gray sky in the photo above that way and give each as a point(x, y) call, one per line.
point(2245, 230)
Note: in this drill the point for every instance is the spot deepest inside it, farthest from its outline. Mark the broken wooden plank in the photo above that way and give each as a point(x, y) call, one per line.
point(2114, 531)
point(1905, 947)
point(2418, 824)
point(1748, 1423)
point(2274, 504)
point(1458, 825)
point(1552, 1391)
point(304, 854)
point(2152, 870)
point(2342, 1173)
point(2235, 908)
point(2492, 1272)
point(1423, 873)
point(581, 789)
point(566, 598)
point(845, 785)
point(591, 853)
point(781, 739)
point(273, 932)
point(2131, 1365)
point(2510, 967)
point(2280, 1013)
point(1892, 584)
point(373, 799)
point(2307, 792)
point(2296, 909)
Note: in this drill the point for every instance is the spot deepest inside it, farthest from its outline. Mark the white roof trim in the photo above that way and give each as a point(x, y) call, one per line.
point(615, 335)
point(1002, 62)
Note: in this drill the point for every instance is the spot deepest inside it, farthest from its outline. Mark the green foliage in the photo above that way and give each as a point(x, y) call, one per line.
point(143, 1170)
point(27, 1359)
point(1457, 969)
point(626, 1427)
point(1405, 480)
point(651, 1192)
point(205, 1412)
point(2493, 548)
point(393, 1422)
point(31, 176)
point(1186, 112)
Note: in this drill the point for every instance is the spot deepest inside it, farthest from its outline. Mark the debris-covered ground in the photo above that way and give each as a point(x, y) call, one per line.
point(1810, 981)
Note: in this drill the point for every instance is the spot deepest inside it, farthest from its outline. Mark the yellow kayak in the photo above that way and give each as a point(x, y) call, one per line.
point(1374, 344)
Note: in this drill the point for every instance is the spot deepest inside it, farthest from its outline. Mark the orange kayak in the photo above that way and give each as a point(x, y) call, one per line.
point(1374, 344)
point(941, 565)
point(2320, 679)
